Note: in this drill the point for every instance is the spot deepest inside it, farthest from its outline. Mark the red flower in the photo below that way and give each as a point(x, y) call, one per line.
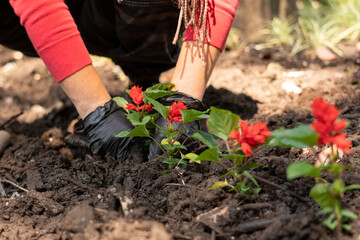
point(250, 136)
point(175, 115)
point(136, 95)
point(329, 131)
point(131, 106)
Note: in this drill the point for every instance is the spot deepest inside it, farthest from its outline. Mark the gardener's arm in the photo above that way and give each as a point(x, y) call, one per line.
point(57, 40)
point(86, 90)
point(191, 74)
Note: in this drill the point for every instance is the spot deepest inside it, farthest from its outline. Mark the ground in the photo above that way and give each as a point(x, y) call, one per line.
point(51, 190)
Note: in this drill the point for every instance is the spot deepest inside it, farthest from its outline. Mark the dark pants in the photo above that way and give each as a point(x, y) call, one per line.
point(135, 34)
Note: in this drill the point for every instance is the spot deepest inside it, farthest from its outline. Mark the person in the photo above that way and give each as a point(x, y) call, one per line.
point(138, 35)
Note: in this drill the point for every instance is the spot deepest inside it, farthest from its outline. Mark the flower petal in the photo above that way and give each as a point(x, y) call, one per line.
point(342, 142)
point(130, 106)
point(246, 149)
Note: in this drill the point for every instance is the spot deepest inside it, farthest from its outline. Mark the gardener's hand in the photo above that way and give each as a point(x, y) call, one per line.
point(188, 129)
point(100, 127)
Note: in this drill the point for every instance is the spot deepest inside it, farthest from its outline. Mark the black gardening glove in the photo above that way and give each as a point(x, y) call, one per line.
point(100, 127)
point(189, 128)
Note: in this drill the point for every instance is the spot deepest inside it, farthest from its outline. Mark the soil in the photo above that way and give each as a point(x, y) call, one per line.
point(52, 190)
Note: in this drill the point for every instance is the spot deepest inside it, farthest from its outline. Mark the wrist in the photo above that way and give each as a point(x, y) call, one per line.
point(86, 90)
point(84, 108)
point(192, 73)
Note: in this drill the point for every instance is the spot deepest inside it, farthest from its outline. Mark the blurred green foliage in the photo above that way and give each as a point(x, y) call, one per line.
point(316, 23)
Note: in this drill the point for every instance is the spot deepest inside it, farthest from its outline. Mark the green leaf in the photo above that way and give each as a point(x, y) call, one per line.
point(300, 137)
point(249, 176)
point(348, 214)
point(347, 227)
point(210, 154)
point(139, 131)
point(330, 222)
point(191, 156)
point(161, 86)
point(176, 161)
point(222, 122)
point(301, 169)
point(352, 187)
point(338, 187)
point(165, 172)
point(322, 196)
point(326, 210)
point(191, 115)
point(155, 94)
point(121, 102)
point(225, 175)
point(205, 138)
point(134, 118)
point(166, 141)
point(170, 148)
point(336, 169)
point(164, 111)
point(219, 184)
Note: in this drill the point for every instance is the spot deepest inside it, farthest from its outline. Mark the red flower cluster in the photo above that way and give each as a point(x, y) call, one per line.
point(250, 136)
point(330, 130)
point(136, 95)
point(175, 115)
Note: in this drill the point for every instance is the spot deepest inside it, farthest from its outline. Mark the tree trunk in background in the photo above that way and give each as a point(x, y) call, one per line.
point(252, 15)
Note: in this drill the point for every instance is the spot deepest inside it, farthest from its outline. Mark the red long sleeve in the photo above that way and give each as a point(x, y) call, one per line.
point(54, 35)
point(221, 14)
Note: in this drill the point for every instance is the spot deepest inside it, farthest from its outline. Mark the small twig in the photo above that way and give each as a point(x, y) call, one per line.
point(261, 224)
point(279, 187)
point(255, 206)
point(10, 119)
point(15, 185)
point(182, 185)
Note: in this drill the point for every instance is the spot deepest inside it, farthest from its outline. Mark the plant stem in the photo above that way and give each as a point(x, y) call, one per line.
point(178, 135)
point(177, 165)
point(158, 145)
point(228, 147)
point(230, 171)
point(142, 113)
point(338, 219)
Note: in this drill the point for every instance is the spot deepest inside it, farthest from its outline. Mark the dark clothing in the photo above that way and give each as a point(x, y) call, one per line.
point(135, 34)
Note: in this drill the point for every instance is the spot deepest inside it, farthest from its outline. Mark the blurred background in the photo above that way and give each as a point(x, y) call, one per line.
point(318, 27)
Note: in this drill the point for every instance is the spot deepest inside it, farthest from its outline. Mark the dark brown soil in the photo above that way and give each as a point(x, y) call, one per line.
point(55, 191)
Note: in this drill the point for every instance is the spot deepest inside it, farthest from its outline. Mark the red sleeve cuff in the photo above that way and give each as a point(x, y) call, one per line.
point(61, 60)
point(54, 35)
point(220, 17)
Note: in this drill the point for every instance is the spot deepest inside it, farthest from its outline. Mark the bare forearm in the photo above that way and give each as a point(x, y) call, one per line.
point(191, 75)
point(86, 90)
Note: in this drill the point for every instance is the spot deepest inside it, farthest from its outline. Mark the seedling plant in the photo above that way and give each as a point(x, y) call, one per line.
point(176, 117)
point(327, 130)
